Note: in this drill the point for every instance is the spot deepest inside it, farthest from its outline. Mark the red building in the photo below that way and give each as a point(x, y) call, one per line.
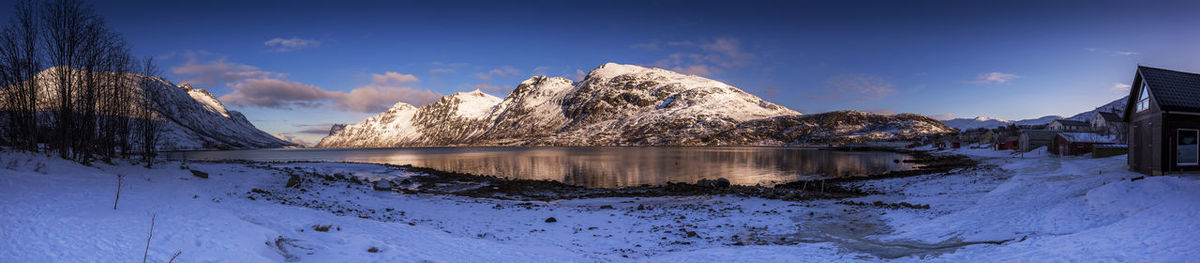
point(1077, 143)
point(1008, 143)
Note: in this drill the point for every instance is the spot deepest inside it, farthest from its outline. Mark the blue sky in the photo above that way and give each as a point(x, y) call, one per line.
point(293, 67)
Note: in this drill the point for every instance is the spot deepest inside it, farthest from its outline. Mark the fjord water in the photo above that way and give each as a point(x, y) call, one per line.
point(605, 167)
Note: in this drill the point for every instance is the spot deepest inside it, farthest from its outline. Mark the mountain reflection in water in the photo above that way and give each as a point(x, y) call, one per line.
point(607, 167)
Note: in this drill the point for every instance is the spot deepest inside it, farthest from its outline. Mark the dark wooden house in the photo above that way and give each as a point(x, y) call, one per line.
point(1163, 114)
point(1033, 139)
point(1068, 125)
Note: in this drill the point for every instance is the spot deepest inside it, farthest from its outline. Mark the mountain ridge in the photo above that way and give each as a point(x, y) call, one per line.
point(192, 119)
point(614, 105)
point(963, 124)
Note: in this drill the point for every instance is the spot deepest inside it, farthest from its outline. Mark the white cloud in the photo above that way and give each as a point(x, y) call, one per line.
point(205, 69)
point(943, 116)
point(1111, 52)
point(704, 58)
point(1119, 88)
point(393, 78)
point(731, 49)
point(375, 98)
point(291, 44)
point(578, 75)
point(384, 91)
point(252, 87)
point(441, 67)
point(502, 72)
point(858, 87)
point(698, 70)
point(993, 78)
point(275, 93)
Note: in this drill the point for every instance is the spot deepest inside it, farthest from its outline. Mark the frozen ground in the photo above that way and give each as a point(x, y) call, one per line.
point(1035, 208)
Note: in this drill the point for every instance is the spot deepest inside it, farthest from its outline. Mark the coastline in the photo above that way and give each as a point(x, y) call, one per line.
point(1004, 208)
point(434, 181)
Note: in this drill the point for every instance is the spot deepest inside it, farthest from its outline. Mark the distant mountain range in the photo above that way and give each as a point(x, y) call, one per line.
point(964, 124)
point(618, 105)
point(1117, 106)
point(192, 119)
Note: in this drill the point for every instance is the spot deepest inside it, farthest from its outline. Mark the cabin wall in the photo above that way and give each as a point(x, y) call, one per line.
point(1171, 124)
point(1145, 141)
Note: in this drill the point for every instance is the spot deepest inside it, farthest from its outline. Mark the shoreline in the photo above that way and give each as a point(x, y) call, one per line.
point(1004, 209)
point(434, 181)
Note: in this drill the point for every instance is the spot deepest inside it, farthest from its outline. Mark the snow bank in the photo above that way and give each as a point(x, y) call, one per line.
point(1010, 209)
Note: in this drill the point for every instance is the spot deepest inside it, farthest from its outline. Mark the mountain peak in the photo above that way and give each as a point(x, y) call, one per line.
point(475, 93)
point(609, 70)
point(982, 118)
point(401, 106)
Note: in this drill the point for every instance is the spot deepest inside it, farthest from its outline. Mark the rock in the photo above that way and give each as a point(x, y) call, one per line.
point(722, 182)
point(199, 174)
point(711, 183)
point(294, 181)
point(321, 228)
point(791, 196)
point(551, 220)
point(383, 185)
point(373, 250)
point(692, 234)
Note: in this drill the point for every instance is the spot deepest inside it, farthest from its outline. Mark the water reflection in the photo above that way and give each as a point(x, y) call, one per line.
point(604, 166)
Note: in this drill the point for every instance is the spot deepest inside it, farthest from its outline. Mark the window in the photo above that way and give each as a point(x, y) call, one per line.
point(1187, 152)
point(1143, 102)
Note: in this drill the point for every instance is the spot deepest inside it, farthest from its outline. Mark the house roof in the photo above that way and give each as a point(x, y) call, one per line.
point(1086, 137)
point(1110, 117)
point(1040, 134)
point(1171, 90)
point(1071, 123)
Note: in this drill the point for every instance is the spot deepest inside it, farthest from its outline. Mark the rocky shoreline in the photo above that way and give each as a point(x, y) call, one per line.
point(433, 181)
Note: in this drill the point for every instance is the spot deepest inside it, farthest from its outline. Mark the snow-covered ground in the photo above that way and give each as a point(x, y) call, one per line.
point(1011, 208)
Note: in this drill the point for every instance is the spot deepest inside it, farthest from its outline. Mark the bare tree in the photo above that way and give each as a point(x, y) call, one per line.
point(120, 184)
point(148, 125)
point(146, 253)
point(65, 23)
point(20, 61)
point(87, 91)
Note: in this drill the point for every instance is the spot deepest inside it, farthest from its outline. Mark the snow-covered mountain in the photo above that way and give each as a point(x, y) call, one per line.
point(191, 118)
point(613, 105)
point(195, 119)
point(964, 124)
point(1117, 106)
point(831, 127)
point(453, 119)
